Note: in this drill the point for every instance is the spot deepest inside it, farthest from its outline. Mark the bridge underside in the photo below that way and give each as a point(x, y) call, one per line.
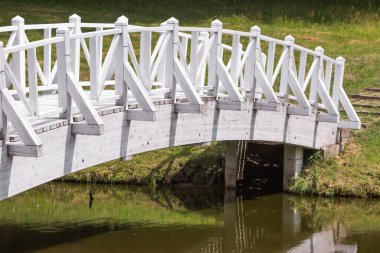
point(65, 153)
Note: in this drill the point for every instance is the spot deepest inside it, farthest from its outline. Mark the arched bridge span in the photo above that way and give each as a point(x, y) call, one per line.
point(75, 99)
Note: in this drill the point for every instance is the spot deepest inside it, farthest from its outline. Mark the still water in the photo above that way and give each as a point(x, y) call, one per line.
point(65, 218)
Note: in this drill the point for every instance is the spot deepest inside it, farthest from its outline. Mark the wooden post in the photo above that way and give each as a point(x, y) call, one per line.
point(63, 66)
point(338, 80)
point(231, 163)
point(18, 57)
point(161, 66)
point(249, 67)
point(293, 162)
point(3, 118)
point(32, 80)
point(145, 55)
point(284, 82)
point(194, 62)
point(121, 56)
point(201, 79)
point(315, 77)
point(235, 58)
point(75, 45)
point(95, 66)
point(215, 53)
point(171, 52)
point(47, 56)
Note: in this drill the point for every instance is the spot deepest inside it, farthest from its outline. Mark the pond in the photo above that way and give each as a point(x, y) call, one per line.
point(62, 217)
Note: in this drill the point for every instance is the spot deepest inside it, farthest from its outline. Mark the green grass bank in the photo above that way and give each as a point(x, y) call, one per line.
point(347, 28)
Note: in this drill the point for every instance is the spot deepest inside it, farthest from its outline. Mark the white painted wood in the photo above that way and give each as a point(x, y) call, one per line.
point(186, 84)
point(47, 56)
point(121, 89)
point(82, 102)
point(94, 67)
point(18, 120)
point(18, 66)
point(145, 53)
point(75, 20)
point(264, 84)
point(297, 90)
point(87, 129)
point(279, 65)
point(140, 115)
point(63, 66)
point(137, 88)
point(32, 80)
point(24, 151)
point(194, 57)
point(286, 66)
point(302, 68)
point(328, 73)
point(215, 54)
point(228, 84)
point(171, 51)
point(235, 58)
point(270, 60)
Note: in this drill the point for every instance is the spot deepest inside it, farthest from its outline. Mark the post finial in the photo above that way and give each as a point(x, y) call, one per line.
point(216, 23)
point(122, 20)
point(255, 29)
point(172, 20)
point(62, 30)
point(17, 20)
point(340, 59)
point(75, 17)
point(290, 38)
point(319, 50)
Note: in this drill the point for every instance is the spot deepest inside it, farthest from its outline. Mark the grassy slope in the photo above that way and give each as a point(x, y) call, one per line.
point(348, 28)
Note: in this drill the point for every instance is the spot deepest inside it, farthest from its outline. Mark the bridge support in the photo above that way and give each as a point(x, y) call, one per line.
point(293, 162)
point(230, 165)
point(234, 162)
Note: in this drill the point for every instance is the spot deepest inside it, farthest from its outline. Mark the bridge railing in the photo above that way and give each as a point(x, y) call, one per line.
point(184, 64)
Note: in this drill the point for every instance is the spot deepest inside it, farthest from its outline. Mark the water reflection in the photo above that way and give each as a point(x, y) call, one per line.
point(77, 218)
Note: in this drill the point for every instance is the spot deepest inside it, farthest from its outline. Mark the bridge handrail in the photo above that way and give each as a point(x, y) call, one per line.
point(182, 60)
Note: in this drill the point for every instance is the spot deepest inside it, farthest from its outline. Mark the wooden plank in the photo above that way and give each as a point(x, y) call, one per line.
point(32, 80)
point(297, 90)
point(24, 151)
point(186, 84)
point(145, 53)
point(84, 105)
point(18, 120)
point(140, 115)
point(322, 117)
point(94, 67)
point(87, 129)
point(270, 61)
point(137, 88)
point(188, 108)
point(264, 84)
point(47, 56)
point(231, 88)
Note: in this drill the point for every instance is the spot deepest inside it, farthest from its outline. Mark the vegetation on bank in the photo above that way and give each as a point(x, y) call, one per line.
point(347, 28)
point(355, 173)
point(176, 165)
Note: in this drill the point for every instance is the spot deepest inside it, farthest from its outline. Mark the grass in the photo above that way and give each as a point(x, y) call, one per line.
point(184, 164)
point(343, 28)
point(355, 173)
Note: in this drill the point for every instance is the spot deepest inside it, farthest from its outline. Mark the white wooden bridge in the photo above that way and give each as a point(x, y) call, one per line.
point(87, 93)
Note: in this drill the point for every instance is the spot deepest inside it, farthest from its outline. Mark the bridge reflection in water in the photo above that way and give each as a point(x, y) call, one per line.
point(49, 219)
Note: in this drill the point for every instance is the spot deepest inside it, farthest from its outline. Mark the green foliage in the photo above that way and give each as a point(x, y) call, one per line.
point(184, 164)
point(355, 173)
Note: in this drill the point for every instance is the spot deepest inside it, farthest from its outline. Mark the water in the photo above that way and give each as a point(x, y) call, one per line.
point(63, 218)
